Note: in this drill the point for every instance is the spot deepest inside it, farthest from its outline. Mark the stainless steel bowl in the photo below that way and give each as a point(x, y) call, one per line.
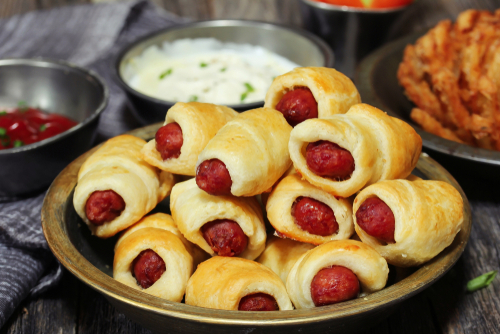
point(56, 87)
point(297, 45)
point(351, 32)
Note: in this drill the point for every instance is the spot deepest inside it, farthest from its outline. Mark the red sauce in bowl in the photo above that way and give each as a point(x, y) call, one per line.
point(25, 125)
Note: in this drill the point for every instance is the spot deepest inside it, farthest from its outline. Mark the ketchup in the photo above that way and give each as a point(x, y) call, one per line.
point(25, 125)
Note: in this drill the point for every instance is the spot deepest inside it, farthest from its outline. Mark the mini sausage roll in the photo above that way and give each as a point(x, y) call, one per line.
point(228, 283)
point(196, 212)
point(199, 122)
point(426, 216)
point(311, 92)
point(351, 257)
point(247, 156)
point(303, 212)
point(117, 188)
point(154, 261)
point(364, 146)
point(164, 221)
point(281, 254)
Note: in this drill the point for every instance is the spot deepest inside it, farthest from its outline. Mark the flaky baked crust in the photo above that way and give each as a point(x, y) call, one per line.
point(192, 208)
point(221, 282)
point(179, 263)
point(369, 267)
point(254, 148)
point(333, 91)
point(428, 215)
point(383, 147)
point(164, 221)
point(279, 210)
point(281, 254)
point(118, 166)
point(199, 123)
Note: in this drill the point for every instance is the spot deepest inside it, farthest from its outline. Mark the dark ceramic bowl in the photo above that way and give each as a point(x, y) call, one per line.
point(299, 46)
point(91, 260)
point(55, 87)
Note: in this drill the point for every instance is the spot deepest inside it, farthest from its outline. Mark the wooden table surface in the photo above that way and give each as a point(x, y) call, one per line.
point(445, 307)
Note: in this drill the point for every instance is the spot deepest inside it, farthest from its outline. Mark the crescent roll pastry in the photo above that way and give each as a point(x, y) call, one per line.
point(222, 282)
point(303, 212)
point(164, 221)
point(193, 209)
point(199, 123)
point(135, 186)
point(177, 262)
point(334, 92)
point(367, 265)
point(254, 149)
point(426, 217)
point(381, 148)
point(281, 254)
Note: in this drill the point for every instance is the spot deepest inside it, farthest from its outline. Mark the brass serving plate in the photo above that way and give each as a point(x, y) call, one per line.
point(91, 259)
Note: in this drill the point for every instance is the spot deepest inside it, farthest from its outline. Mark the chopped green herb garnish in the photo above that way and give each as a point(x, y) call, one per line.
point(481, 281)
point(223, 69)
point(42, 127)
point(249, 87)
point(249, 90)
point(18, 143)
point(5, 141)
point(3, 132)
point(166, 73)
point(2, 113)
point(203, 64)
point(22, 105)
point(193, 98)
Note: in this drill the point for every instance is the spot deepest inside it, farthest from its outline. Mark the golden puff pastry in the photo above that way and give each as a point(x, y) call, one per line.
point(369, 267)
point(254, 148)
point(427, 216)
point(383, 147)
point(221, 282)
point(281, 254)
point(164, 221)
point(117, 166)
point(192, 208)
point(179, 263)
point(287, 192)
point(333, 91)
point(199, 123)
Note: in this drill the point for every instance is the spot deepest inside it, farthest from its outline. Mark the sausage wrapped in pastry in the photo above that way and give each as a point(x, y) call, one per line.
point(165, 222)
point(303, 212)
point(228, 283)
point(408, 223)
point(187, 129)
point(155, 261)
point(116, 187)
point(336, 271)
point(220, 225)
point(311, 92)
point(281, 254)
point(247, 156)
point(344, 153)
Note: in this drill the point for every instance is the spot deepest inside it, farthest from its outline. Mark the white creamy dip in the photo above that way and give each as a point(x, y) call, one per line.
point(205, 70)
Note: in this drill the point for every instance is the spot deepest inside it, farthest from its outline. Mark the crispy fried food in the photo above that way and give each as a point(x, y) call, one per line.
point(452, 74)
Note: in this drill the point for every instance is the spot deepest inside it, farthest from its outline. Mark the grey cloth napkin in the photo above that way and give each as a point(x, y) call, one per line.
point(86, 35)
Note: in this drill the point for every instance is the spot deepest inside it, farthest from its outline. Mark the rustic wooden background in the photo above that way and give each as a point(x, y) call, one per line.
point(445, 307)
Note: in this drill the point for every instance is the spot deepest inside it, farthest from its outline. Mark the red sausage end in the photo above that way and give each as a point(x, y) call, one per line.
point(334, 285)
point(169, 141)
point(213, 177)
point(376, 218)
point(103, 206)
point(314, 216)
point(298, 105)
point(147, 268)
point(258, 302)
point(328, 159)
point(225, 237)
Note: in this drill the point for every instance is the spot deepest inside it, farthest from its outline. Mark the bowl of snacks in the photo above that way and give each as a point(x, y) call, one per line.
point(227, 62)
point(238, 240)
point(437, 95)
point(49, 112)
point(353, 28)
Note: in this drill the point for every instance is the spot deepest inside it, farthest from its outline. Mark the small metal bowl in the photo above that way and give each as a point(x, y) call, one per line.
point(91, 260)
point(352, 32)
point(56, 87)
point(296, 45)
